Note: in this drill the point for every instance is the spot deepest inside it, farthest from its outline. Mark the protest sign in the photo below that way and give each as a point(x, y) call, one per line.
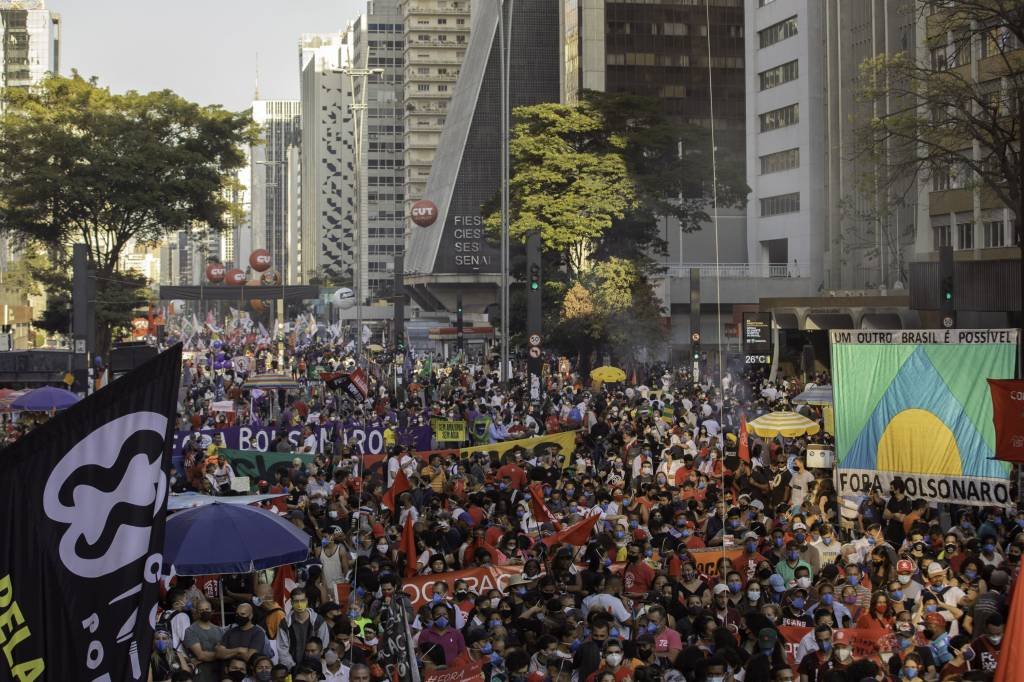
point(449, 430)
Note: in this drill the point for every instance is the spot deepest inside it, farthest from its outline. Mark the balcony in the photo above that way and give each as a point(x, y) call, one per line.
point(460, 10)
point(734, 270)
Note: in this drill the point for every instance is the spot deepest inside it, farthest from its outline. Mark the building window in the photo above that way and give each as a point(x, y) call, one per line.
point(965, 235)
point(782, 203)
point(995, 234)
point(783, 73)
point(780, 118)
point(442, 22)
point(764, 3)
point(777, 32)
point(942, 236)
point(940, 62)
point(423, 87)
point(940, 179)
point(780, 161)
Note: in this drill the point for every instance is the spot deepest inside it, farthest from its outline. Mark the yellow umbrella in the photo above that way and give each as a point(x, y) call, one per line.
point(375, 348)
point(788, 424)
point(608, 373)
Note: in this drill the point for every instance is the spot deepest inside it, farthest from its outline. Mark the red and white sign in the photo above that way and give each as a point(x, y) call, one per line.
point(260, 260)
point(1008, 415)
point(215, 272)
point(424, 212)
point(234, 277)
point(470, 672)
point(358, 379)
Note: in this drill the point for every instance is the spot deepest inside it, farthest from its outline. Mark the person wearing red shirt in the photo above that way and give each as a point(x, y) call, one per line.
point(746, 563)
point(515, 474)
point(637, 577)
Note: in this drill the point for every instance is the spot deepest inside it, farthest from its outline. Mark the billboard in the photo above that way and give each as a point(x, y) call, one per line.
point(915, 405)
point(757, 332)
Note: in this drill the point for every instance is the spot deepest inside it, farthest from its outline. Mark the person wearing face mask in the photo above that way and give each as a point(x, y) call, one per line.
point(855, 579)
point(794, 610)
point(637, 576)
point(262, 669)
point(614, 662)
point(988, 645)
point(201, 640)
point(879, 615)
point(243, 638)
point(911, 588)
point(808, 643)
point(175, 617)
point(440, 633)
point(913, 668)
point(990, 554)
point(165, 661)
point(297, 628)
point(235, 669)
point(955, 669)
point(747, 562)
point(815, 664)
point(787, 567)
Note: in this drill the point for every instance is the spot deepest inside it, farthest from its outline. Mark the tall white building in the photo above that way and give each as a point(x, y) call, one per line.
point(327, 186)
point(31, 42)
point(810, 206)
point(280, 123)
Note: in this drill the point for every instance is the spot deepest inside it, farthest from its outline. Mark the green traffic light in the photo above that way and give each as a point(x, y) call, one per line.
point(949, 295)
point(535, 285)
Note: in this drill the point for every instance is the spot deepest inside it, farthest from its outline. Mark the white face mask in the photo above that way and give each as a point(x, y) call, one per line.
point(382, 548)
point(614, 659)
point(494, 603)
point(371, 642)
point(753, 595)
point(904, 579)
point(844, 653)
point(803, 582)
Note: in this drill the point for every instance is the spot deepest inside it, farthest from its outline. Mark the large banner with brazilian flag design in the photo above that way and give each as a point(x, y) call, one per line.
point(915, 405)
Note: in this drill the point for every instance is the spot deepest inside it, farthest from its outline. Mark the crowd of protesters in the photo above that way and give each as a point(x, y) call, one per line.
point(709, 560)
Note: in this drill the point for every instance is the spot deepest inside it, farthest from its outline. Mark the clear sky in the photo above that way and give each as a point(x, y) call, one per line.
point(205, 50)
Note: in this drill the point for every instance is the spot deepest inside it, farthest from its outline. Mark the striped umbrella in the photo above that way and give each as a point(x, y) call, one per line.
point(787, 424)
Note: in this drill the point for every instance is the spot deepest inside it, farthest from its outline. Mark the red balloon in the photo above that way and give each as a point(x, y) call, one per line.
point(235, 277)
point(215, 272)
point(260, 260)
point(424, 212)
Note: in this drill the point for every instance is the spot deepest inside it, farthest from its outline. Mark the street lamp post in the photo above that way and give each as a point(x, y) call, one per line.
point(505, 59)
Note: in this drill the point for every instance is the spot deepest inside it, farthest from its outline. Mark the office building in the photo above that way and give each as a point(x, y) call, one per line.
point(454, 255)
point(378, 44)
point(327, 187)
point(280, 125)
point(31, 42)
point(436, 34)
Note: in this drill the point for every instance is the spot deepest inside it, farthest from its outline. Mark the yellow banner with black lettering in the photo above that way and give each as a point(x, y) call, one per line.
point(449, 430)
point(558, 444)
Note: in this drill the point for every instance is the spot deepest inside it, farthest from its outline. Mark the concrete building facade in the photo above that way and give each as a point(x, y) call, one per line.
point(280, 125)
point(436, 35)
point(31, 42)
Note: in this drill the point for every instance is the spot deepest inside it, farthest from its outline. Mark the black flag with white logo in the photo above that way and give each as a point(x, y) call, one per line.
point(83, 501)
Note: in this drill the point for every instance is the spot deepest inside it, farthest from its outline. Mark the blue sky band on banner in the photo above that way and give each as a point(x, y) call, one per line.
point(914, 404)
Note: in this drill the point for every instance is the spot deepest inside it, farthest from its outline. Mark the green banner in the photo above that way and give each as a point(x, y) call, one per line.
point(259, 465)
point(449, 430)
point(915, 405)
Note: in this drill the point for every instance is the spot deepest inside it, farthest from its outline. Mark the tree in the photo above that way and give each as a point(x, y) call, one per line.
point(114, 311)
point(568, 182)
point(80, 164)
point(949, 125)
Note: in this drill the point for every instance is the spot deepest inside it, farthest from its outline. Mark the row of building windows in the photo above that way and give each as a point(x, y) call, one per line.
point(779, 204)
point(780, 118)
point(384, 196)
point(385, 146)
point(777, 32)
point(385, 28)
point(382, 249)
point(783, 73)
point(383, 180)
point(670, 28)
point(685, 3)
point(387, 44)
point(993, 235)
point(385, 232)
point(384, 163)
point(780, 161)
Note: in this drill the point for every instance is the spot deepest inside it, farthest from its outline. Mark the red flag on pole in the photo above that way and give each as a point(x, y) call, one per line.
point(400, 486)
point(1010, 667)
point(743, 450)
point(576, 534)
point(408, 546)
point(538, 508)
point(1008, 416)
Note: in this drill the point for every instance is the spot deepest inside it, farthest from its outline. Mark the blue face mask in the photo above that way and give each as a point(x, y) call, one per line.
point(1020, 522)
point(778, 542)
point(441, 622)
point(607, 562)
point(520, 591)
point(798, 603)
point(575, 645)
point(825, 646)
point(827, 541)
point(686, 532)
point(930, 608)
point(648, 553)
point(853, 580)
point(502, 485)
point(989, 549)
point(520, 513)
point(436, 599)
point(161, 645)
point(733, 523)
point(792, 555)
point(735, 587)
point(496, 623)
point(970, 575)
point(751, 547)
point(799, 537)
point(353, 613)
point(634, 524)
point(905, 642)
point(614, 633)
point(827, 599)
point(547, 490)
point(897, 595)
point(619, 534)
point(998, 520)
point(651, 627)
point(627, 501)
point(871, 542)
point(487, 648)
point(910, 673)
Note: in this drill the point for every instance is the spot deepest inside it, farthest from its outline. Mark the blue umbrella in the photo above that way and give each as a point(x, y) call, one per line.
point(45, 399)
point(223, 538)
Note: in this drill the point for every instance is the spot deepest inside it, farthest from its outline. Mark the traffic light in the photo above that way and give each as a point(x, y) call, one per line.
point(947, 288)
point(947, 291)
point(459, 322)
point(534, 277)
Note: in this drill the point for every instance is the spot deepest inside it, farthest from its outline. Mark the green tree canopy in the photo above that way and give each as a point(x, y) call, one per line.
point(81, 164)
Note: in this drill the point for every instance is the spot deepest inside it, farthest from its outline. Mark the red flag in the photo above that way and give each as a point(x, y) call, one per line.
point(538, 508)
point(743, 450)
point(284, 582)
point(1008, 416)
point(576, 534)
point(1010, 667)
point(400, 485)
point(408, 546)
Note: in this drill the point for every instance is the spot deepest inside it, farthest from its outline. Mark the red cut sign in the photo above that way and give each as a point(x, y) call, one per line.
point(1008, 416)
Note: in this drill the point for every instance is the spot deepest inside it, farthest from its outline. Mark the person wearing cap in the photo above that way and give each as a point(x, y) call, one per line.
point(842, 650)
point(938, 638)
point(911, 588)
point(766, 657)
point(725, 613)
point(165, 661)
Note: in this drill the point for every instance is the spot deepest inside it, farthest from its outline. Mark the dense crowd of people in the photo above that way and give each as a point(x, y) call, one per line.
point(701, 558)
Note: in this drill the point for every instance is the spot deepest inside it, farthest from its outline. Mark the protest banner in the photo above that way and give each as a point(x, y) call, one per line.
point(421, 587)
point(368, 440)
point(470, 672)
point(262, 465)
point(923, 413)
point(706, 560)
point(562, 443)
point(449, 430)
